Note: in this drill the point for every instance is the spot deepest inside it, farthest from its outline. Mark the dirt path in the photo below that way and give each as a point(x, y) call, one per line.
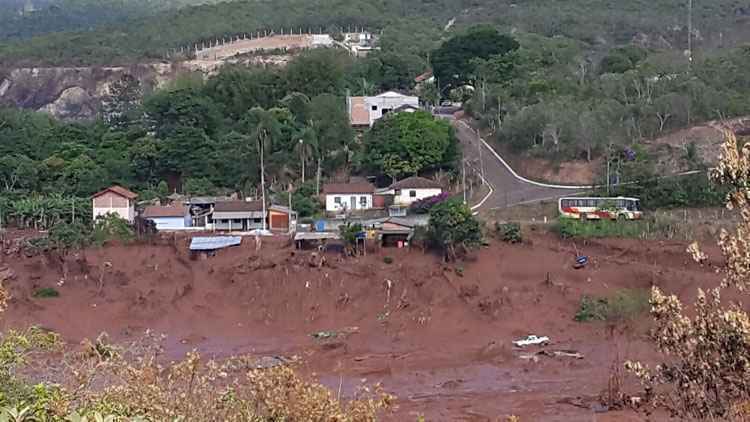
point(437, 336)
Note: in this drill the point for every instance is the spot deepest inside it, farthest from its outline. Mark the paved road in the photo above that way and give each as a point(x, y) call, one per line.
point(507, 188)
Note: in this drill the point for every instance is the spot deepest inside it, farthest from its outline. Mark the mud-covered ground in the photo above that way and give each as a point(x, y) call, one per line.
point(437, 336)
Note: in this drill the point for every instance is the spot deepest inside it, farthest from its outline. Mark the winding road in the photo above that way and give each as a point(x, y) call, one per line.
point(506, 186)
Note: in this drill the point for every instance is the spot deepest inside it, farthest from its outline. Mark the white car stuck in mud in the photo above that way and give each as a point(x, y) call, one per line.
point(532, 340)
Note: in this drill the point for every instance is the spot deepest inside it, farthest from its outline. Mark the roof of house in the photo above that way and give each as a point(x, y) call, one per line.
point(343, 188)
point(423, 77)
point(391, 94)
point(118, 190)
point(279, 208)
point(214, 242)
point(158, 211)
point(358, 113)
point(416, 182)
point(206, 200)
point(405, 107)
point(238, 206)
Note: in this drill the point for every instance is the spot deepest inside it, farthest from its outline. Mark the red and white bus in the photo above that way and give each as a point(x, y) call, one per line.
point(600, 208)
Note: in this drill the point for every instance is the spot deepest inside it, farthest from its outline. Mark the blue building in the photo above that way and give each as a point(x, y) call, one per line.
point(168, 218)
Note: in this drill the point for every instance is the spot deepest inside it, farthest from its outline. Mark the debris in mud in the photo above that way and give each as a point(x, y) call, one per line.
point(326, 335)
point(530, 357)
point(267, 362)
point(560, 354)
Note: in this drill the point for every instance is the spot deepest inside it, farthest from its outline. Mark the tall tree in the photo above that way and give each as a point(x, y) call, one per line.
point(407, 144)
point(453, 63)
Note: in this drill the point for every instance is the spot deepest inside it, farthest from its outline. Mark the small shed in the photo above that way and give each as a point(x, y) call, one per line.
point(175, 217)
point(281, 218)
point(396, 232)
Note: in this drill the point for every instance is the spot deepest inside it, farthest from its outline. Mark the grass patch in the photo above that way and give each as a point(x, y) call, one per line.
point(569, 228)
point(623, 305)
point(388, 260)
point(46, 292)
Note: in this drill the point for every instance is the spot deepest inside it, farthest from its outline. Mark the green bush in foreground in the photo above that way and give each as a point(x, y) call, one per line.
point(569, 228)
point(46, 292)
point(509, 232)
point(622, 305)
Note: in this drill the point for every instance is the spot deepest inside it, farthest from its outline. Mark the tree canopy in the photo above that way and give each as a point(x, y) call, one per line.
point(453, 63)
point(407, 144)
point(453, 227)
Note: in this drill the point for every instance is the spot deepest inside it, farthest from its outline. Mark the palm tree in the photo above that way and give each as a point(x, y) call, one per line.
point(265, 129)
point(306, 147)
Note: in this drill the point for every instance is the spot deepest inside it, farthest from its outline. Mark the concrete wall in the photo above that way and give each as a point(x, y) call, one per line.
point(171, 223)
point(345, 200)
point(376, 105)
point(405, 197)
point(237, 226)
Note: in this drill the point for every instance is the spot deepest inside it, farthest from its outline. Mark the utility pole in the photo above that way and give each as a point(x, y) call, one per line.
point(317, 184)
point(481, 161)
point(463, 177)
point(302, 157)
point(690, 58)
point(263, 179)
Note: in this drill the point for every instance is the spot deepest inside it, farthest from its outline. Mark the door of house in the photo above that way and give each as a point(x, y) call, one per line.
point(353, 200)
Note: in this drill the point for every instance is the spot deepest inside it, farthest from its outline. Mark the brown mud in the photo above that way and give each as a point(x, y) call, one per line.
point(437, 336)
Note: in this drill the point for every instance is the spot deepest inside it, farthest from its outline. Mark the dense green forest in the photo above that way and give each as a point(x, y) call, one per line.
point(27, 18)
point(598, 24)
point(207, 136)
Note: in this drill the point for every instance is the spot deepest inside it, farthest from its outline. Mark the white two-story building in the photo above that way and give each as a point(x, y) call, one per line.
point(364, 111)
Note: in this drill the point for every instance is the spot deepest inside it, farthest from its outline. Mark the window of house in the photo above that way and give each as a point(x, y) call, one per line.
point(363, 201)
point(398, 191)
point(386, 111)
point(257, 220)
point(374, 108)
point(412, 194)
point(337, 200)
point(237, 221)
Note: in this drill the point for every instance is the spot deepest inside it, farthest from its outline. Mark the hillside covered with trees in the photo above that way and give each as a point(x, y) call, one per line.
point(206, 137)
point(27, 18)
point(598, 24)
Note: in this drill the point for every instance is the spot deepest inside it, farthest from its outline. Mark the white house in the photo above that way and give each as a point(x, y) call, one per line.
point(364, 111)
point(348, 196)
point(114, 200)
point(169, 218)
point(412, 189)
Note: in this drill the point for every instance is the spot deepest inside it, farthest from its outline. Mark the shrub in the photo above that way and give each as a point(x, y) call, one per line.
point(69, 235)
point(388, 260)
point(112, 227)
point(423, 206)
point(621, 306)
point(568, 228)
point(46, 292)
point(509, 232)
point(454, 228)
point(591, 309)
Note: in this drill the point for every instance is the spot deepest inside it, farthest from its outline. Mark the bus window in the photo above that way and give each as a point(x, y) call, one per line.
point(621, 203)
point(565, 203)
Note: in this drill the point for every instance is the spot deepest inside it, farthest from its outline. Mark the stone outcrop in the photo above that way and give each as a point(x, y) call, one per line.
point(75, 93)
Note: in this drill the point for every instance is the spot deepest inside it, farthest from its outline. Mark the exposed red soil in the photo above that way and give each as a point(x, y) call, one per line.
point(440, 338)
